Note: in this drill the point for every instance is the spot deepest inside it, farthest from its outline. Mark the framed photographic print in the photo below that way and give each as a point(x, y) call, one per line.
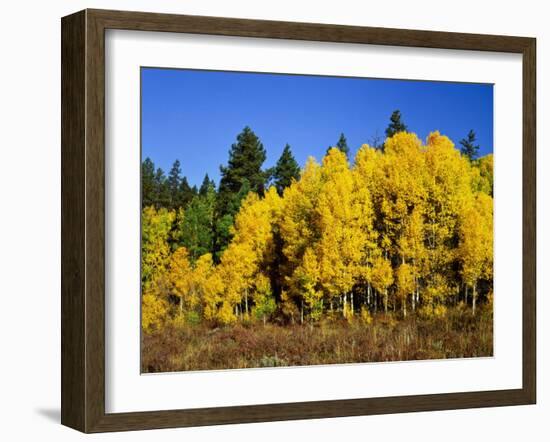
point(270, 220)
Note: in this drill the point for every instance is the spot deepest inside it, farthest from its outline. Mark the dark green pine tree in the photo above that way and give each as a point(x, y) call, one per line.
point(173, 183)
point(246, 158)
point(162, 191)
point(342, 144)
point(285, 170)
point(185, 193)
point(206, 186)
point(469, 148)
point(396, 124)
point(148, 197)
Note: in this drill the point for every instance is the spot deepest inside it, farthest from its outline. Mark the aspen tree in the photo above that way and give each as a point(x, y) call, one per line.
point(449, 188)
point(382, 278)
point(181, 279)
point(366, 162)
point(341, 235)
point(299, 228)
point(476, 243)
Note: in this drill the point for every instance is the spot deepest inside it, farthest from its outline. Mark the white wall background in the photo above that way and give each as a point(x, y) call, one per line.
point(30, 217)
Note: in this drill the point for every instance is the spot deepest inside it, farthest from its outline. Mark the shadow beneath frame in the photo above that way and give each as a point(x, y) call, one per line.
point(51, 414)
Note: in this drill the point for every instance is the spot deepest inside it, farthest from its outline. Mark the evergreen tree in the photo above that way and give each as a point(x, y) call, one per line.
point(173, 183)
point(396, 125)
point(342, 144)
point(243, 172)
point(246, 158)
point(148, 183)
point(469, 148)
point(186, 192)
point(285, 170)
point(206, 185)
point(162, 191)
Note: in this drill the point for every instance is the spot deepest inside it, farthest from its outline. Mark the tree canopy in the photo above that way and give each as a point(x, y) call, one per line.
point(286, 170)
point(405, 229)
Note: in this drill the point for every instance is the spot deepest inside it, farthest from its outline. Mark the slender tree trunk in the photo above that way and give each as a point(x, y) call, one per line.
point(405, 306)
point(375, 299)
point(386, 301)
point(345, 308)
point(466, 295)
point(246, 301)
point(351, 304)
point(181, 305)
point(413, 298)
point(369, 292)
point(302, 311)
point(474, 299)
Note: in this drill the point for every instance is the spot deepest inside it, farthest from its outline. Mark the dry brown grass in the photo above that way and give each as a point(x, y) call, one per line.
point(245, 345)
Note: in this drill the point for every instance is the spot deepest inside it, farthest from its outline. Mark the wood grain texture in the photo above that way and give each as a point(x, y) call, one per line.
point(83, 220)
point(529, 220)
point(73, 129)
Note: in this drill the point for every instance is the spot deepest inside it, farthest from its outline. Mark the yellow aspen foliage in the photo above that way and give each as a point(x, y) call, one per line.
point(264, 302)
point(405, 278)
point(236, 270)
point(402, 185)
point(307, 277)
point(211, 286)
point(299, 225)
point(154, 311)
point(363, 174)
point(476, 243)
point(382, 278)
point(412, 221)
point(366, 164)
point(449, 190)
point(342, 237)
point(434, 296)
point(155, 250)
point(299, 228)
point(181, 278)
point(483, 173)
point(251, 245)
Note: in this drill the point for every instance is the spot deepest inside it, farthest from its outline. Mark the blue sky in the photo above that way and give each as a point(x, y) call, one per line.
point(195, 116)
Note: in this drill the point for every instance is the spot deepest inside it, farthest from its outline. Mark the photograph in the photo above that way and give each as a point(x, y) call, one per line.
point(301, 220)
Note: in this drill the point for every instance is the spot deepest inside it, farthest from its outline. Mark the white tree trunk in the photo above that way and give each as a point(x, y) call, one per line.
point(474, 299)
point(345, 309)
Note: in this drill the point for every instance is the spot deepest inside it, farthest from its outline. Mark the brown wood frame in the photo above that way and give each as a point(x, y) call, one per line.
point(83, 216)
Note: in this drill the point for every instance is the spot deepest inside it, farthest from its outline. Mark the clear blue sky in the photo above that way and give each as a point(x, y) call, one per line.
point(195, 116)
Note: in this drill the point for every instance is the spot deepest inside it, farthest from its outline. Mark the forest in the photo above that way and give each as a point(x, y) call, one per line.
point(384, 256)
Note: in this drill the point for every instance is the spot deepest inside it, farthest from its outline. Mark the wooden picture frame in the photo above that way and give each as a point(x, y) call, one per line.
point(83, 220)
